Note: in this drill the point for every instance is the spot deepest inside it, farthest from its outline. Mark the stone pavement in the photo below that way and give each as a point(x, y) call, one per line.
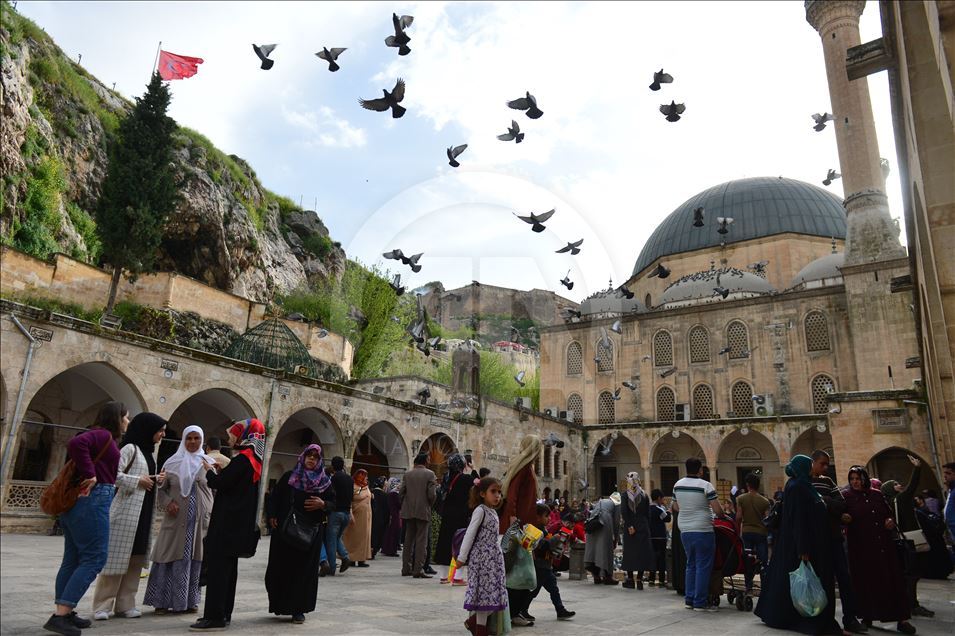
point(377, 601)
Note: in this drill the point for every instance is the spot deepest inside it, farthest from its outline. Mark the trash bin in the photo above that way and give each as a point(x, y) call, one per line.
point(576, 565)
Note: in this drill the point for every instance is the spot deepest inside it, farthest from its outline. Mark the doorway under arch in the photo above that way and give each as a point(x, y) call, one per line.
point(381, 450)
point(213, 410)
point(741, 454)
point(613, 458)
point(438, 447)
point(669, 459)
point(893, 463)
point(306, 426)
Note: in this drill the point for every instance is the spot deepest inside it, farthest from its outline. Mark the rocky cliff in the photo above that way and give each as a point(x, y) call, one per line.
point(56, 127)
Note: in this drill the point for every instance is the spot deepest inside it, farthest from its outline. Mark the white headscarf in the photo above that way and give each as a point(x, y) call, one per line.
point(187, 465)
point(634, 491)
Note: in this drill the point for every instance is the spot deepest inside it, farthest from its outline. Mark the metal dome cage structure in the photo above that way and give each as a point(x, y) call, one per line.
point(272, 344)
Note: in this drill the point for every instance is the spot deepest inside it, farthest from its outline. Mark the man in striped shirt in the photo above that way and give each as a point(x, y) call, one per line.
point(697, 503)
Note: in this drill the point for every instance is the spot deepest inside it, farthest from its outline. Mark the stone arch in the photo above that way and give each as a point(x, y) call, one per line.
point(213, 409)
point(698, 344)
point(662, 348)
point(813, 439)
point(740, 453)
point(575, 358)
point(438, 446)
point(606, 408)
point(382, 451)
point(816, 331)
point(737, 339)
point(703, 402)
point(612, 460)
point(70, 400)
point(666, 404)
point(821, 385)
point(575, 405)
point(893, 463)
point(668, 456)
point(308, 425)
point(604, 355)
point(741, 398)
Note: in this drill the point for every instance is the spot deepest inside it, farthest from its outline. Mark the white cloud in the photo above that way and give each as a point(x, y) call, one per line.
point(325, 128)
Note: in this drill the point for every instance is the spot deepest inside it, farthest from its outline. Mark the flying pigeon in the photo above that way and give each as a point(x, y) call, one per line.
point(672, 110)
point(616, 394)
point(412, 261)
point(330, 56)
point(454, 152)
point(571, 313)
point(390, 100)
point(552, 440)
point(513, 133)
point(520, 378)
point(584, 484)
point(528, 104)
point(830, 177)
point(566, 282)
point(721, 291)
point(596, 360)
point(424, 394)
point(623, 292)
point(660, 271)
point(400, 39)
point(263, 52)
point(396, 285)
point(395, 255)
point(536, 220)
point(668, 372)
point(616, 327)
point(630, 385)
point(573, 248)
point(417, 331)
point(424, 348)
point(725, 350)
point(698, 217)
point(725, 222)
point(760, 267)
point(660, 78)
point(821, 121)
point(604, 338)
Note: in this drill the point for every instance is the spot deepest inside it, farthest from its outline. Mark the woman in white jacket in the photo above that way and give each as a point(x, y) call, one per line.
point(130, 519)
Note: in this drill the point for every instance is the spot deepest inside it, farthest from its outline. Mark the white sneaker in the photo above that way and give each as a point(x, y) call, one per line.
point(101, 616)
point(133, 613)
point(520, 621)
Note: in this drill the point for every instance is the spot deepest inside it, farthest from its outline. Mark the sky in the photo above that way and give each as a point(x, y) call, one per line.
point(750, 74)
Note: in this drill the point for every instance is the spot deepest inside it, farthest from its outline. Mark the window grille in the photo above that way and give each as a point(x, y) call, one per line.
point(605, 408)
point(575, 404)
point(820, 387)
point(699, 344)
point(575, 359)
point(662, 349)
point(548, 461)
point(702, 402)
point(742, 399)
point(605, 355)
point(817, 332)
point(557, 471)
point(737, 340)
point(665, 404)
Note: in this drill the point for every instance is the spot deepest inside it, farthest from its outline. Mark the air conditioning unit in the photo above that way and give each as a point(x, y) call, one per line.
point(681, 412)
point(551, 411)
point(763, 404)
point(525, 402)
point(567, 416)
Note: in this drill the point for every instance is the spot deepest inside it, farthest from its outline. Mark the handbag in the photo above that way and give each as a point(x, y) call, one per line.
point(299, 532)
point(594, 522)
point(61, 495)
point(917, 537)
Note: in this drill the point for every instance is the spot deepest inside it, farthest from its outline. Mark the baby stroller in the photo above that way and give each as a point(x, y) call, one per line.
point(731, 559)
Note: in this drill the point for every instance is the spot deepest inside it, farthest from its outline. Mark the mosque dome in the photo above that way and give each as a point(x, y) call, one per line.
point(272, 344)
point(759, 207)
point(608, 303)
point(696, 288)
point(817, 272)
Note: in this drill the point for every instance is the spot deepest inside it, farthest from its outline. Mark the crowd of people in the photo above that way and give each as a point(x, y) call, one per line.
point(499, 536)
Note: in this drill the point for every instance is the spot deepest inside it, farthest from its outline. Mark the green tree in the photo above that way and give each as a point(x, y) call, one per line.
point(139, 191)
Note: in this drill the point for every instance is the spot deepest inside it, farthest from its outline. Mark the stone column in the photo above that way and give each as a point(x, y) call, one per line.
point(871, 234)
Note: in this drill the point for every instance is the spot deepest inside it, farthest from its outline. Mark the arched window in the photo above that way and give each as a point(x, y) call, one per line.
point(662, 349)
point(665, 404)
point(537, 465)
point(741, 397)
point(699, 344)
point(737, 340)
point(604, 355)
point(557, 472)
point(548, 461)
point(575, 359)
point(605, 408)
point(702, 402)
point(646, 302)
point(817, 331)
point(820, 387)
point(575, 405)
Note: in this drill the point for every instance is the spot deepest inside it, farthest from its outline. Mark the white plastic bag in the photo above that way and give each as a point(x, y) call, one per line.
point(808, 595)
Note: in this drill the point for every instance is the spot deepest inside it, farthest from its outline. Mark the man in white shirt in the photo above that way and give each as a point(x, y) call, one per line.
point(697, 503)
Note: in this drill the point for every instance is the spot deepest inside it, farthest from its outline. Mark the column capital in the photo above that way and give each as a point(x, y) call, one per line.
point(820, 13)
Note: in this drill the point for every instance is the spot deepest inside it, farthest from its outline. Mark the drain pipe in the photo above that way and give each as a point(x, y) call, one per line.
point(14, 424)
point(260, 505)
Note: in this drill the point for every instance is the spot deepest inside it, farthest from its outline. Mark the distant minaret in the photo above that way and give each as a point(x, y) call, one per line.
point(871, 235)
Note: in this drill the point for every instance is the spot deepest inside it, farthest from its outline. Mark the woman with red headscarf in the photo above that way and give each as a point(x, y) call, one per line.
point(233, 530)
point(357, 535)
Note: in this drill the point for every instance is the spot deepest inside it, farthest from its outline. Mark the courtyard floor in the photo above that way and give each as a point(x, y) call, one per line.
point(378, 600)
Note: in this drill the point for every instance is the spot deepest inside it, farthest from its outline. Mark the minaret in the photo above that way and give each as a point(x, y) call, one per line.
point(871, 236)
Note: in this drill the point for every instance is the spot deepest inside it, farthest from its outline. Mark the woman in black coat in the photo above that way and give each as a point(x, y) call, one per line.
point(291, 579)
point(233, 531)
point(379, 515)
point(637, 549)
point(455, 513)
point(803, 535)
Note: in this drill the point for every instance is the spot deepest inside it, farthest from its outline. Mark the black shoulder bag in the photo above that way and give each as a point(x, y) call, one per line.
point(299, 532)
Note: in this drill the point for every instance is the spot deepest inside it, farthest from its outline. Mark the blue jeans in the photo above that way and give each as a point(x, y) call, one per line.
point(337, 522)
point(86, 544)
point(758, 543)
point(700, 547)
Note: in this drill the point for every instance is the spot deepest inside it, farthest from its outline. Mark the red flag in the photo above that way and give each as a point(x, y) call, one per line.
point(173, 67)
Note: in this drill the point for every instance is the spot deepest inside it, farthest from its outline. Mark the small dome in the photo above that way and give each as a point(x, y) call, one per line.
point(272, 344)
point(608, 302)
point(700, 287)
point(821, 270)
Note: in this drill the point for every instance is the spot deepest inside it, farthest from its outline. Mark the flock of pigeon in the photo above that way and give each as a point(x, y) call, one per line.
point(821, 120)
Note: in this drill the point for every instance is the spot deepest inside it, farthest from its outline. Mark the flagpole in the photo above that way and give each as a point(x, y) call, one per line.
point(155, 61)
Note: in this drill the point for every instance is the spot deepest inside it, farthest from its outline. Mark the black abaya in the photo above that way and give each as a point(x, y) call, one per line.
point(804, 530)
point(379, 519)
point(454, 515)
point(291, 578)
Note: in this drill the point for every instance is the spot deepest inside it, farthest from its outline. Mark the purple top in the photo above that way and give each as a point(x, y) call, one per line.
point(83, 448)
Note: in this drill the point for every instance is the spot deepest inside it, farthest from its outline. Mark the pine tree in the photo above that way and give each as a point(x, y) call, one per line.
point(139, 191)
